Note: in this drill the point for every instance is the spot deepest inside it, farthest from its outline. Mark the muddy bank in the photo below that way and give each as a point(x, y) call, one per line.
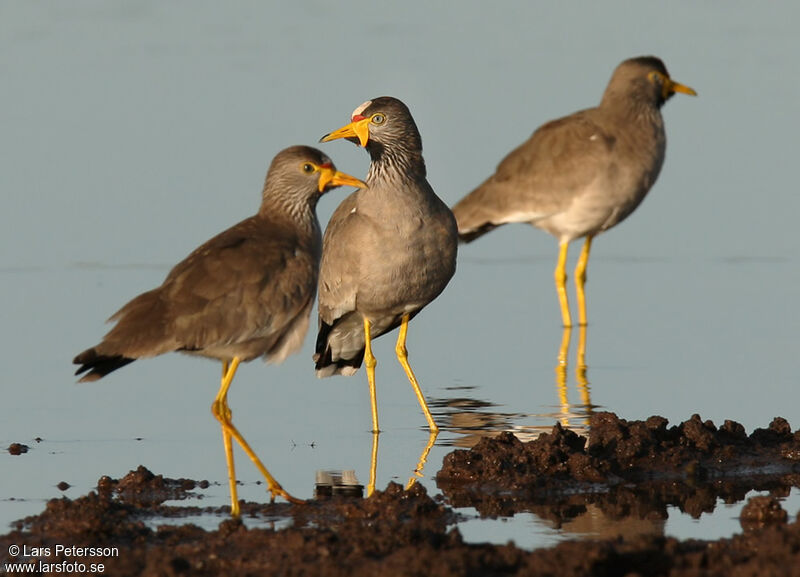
point(625, 468)
point(399, 532)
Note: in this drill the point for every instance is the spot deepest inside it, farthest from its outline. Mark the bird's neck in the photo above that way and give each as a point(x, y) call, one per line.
point(631, 106)
point(398, 163)
point(643, 117)
point(302, 215)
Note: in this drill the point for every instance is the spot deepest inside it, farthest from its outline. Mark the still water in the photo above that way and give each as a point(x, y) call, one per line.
point(132, 132)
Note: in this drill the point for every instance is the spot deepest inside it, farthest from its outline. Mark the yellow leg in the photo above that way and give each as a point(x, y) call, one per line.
point(582, 349)
point(423, 458)
point(370, 361)
point(560, 276)
point(222, 413)
point(580, 279)
point(580, 375)
point(585, 408)
point(563, 350)
point(402, 356)
point(373, 465)
point(226, 436)
point(561, 374)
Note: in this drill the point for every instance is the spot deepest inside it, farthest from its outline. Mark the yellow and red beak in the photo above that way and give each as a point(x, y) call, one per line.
point(329, 176)
point(358, 128)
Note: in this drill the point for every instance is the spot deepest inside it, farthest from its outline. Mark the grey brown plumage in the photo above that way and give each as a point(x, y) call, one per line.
point(245, 293)
point(256, 303)
point(580, 175)
point(389, 248)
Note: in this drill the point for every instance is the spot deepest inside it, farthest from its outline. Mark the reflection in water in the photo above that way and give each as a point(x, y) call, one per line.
point(618, 512)
point(579, 413)
point(473, 419)
point(417, 472)
point(423, 458)
point(373, 464)
point(596, 523)
point(330, 483)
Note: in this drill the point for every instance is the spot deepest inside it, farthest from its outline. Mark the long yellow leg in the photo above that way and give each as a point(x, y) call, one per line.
point(402, 356)
point(580, 279)
point(560, 276)
point(222, 413)
point(373, 465)
point(423, 458)
point(220, 402)
point(370, 361)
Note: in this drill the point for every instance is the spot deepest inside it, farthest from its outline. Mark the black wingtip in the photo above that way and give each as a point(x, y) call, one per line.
point(323, 358)
point(323, 364)
point(98, 366)
point(470, 235)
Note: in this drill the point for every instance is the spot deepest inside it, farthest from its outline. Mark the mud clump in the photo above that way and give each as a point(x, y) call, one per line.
point(623, 471)
point(623, 468)
point(143, 488)
point(17, 449)
point(761, 512)
point(395, 531)
point(619, 451)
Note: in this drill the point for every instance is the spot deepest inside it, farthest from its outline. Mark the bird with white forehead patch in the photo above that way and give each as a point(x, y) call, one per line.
point(388, 251)
point(360, 109)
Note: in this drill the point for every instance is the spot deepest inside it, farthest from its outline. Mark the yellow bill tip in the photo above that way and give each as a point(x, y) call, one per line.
point(359, 128)
point(343, 179)
point(683, 89)
point(330, 177)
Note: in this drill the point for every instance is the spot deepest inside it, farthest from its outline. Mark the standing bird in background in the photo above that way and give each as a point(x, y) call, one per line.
point(389, 249)
point(580, 175)
point(245, 293)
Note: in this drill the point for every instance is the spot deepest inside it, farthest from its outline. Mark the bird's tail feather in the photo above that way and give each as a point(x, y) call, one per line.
point(98, 365)
point(326, 365)
point(472, 234)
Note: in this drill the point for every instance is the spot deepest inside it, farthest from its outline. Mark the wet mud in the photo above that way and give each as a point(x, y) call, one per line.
point(628, 471)
point(625, 468)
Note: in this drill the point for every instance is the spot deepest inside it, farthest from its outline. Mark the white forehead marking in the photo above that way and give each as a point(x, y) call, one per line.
point(361, 108)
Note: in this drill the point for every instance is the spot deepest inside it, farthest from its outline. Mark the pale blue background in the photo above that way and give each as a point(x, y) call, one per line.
point(130, 132)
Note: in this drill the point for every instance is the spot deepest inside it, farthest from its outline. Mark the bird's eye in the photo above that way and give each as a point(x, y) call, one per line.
point(655, 77)
point(378, 118)
point(308, 168)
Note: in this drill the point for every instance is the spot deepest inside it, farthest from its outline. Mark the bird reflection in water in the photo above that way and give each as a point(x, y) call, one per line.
point(418, 470)
point(470, 419)
point(423, 458)
point(574, 416)
point(467, 420)
point(337, 483)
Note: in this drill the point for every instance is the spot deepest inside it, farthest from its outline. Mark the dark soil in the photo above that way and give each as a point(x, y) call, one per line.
point(17, 449)
point(626, 470)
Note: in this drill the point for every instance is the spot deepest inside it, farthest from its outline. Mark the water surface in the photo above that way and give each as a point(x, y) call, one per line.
point(134, 132)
